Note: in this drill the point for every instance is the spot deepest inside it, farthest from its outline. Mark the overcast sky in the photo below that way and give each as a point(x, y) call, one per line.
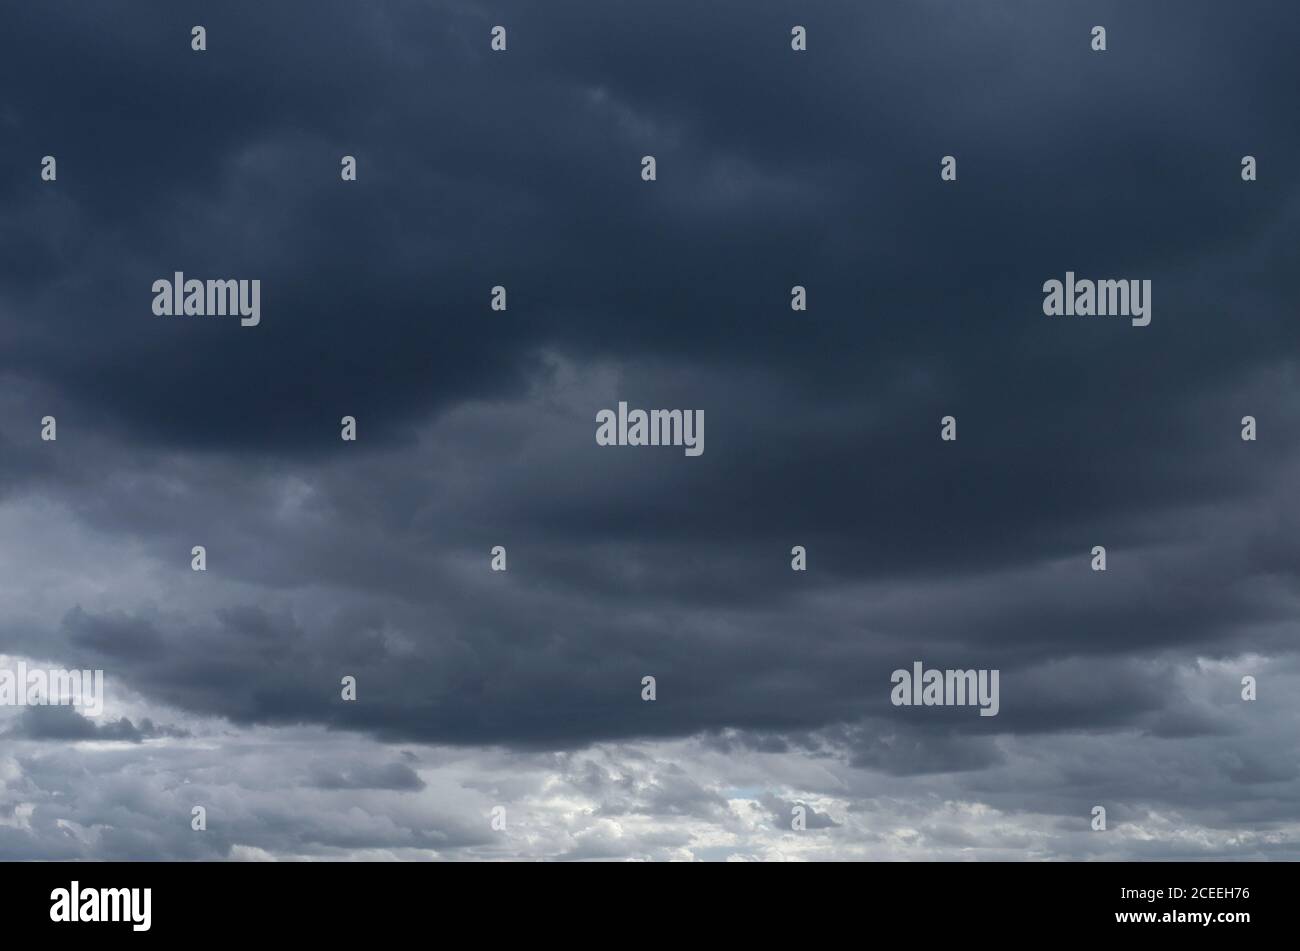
point(522, 689)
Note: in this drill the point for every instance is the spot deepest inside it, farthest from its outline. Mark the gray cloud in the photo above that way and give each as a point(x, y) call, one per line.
point(65, 723)
point(370, 559)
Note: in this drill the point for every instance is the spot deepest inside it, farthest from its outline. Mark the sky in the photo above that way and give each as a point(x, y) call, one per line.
point(516, 695)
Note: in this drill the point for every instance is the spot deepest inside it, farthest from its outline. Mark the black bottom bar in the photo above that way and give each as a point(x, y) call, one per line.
point(332, 901)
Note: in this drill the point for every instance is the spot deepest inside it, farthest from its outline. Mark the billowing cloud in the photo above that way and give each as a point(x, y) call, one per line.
point(522, 689)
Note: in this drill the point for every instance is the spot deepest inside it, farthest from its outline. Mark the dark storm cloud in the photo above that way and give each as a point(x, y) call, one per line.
point(370, 559)
point(521, 170)
point(915, 311)
point(65, 723)
point(394, 776)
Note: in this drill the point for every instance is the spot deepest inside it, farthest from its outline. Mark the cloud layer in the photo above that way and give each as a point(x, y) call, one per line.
point(522, 689)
